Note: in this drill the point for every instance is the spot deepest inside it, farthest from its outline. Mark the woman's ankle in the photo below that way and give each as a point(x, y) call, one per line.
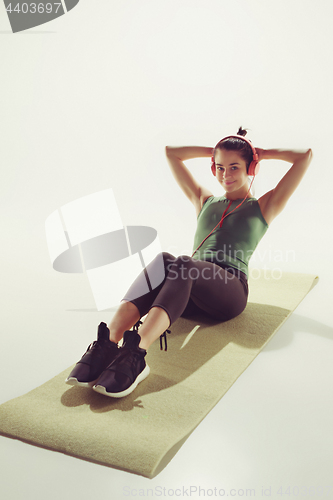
point(126, 316)
point(115, 336)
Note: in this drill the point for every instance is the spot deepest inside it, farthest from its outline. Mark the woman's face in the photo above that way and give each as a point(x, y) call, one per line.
point(230, 170)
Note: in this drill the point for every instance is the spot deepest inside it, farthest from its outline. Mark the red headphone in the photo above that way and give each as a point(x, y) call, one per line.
point(254, 165)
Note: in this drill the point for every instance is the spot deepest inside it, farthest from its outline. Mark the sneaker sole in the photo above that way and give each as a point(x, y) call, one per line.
point(102, 390)
point(75, 381)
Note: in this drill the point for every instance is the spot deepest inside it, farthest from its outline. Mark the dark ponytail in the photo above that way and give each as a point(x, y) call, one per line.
point(242, 132)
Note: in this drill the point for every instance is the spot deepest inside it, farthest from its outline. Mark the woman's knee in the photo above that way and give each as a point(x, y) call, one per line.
point(168, 257)
point(180, 262)
point(183, 260)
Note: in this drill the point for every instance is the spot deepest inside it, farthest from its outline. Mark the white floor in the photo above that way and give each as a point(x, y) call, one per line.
point(88, 103)
point(271, 430)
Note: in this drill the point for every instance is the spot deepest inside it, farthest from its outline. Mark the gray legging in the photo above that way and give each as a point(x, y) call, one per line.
point(190, 285)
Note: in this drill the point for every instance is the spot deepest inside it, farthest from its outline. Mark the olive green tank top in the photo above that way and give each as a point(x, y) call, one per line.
point(234, 243)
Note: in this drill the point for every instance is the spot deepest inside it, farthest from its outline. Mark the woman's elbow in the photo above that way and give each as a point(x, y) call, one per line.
point(309, 155)
point(306, 156)
point(170, 151)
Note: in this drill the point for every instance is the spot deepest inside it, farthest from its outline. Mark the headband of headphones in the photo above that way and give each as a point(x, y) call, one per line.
point(254, 165)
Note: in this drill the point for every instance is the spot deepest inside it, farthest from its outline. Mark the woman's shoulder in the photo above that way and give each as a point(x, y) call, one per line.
point(209, 199)
point(203, 201)
point(263, 205)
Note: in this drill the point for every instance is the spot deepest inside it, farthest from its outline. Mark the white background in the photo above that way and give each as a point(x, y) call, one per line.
point(88, 102)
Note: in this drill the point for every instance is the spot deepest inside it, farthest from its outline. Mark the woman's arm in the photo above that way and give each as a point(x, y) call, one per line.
point(176, 156)
point(273, 202)
point(189, 152)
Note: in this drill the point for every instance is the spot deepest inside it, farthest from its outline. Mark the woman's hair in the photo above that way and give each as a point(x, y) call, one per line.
point(235, 144)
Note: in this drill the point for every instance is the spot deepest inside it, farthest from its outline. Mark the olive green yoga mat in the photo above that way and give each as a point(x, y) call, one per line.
point(143, 431)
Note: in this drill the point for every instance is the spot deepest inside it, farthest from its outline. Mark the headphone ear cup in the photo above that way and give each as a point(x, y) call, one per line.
point(253, 168)
point(213, 166)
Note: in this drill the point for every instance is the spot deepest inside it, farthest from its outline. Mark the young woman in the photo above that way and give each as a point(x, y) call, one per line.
point(213, 280)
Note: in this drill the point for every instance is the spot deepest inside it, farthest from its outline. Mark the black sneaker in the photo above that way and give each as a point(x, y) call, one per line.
point(94, 361)
point(126, 371)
